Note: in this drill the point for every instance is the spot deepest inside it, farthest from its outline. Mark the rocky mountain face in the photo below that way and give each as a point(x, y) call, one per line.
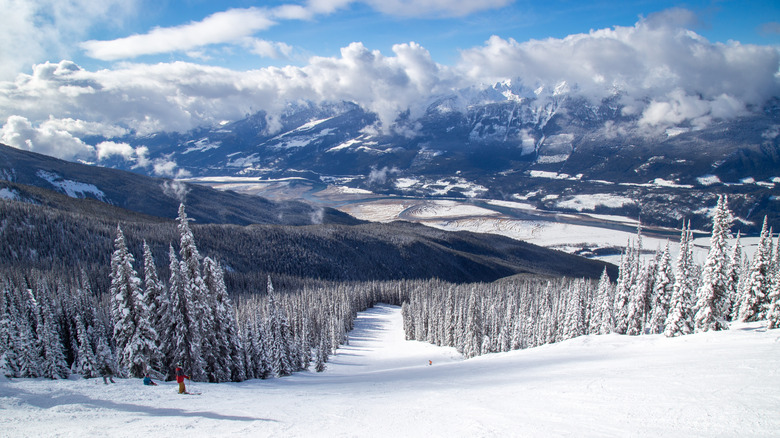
point(550, 147)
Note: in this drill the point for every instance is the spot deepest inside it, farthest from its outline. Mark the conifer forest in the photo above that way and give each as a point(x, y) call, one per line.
point(141, 315)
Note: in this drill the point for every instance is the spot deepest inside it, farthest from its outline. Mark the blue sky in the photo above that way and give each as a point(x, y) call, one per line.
point(76, 69)
point(443, 29)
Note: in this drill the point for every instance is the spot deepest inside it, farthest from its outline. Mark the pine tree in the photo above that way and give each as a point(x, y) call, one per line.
point(53, 364)
point(601, 322)
point(9, 336)
point(637, 308)
point(133, 334)
point(733, 274)
point(754, 298)
point(279, 336)
point(191, 302)
point(628, 267)
point(86, 363)
point(662, 293)
point(473, 331)
point(155, 298)
point(679, 320)
point(711, 295)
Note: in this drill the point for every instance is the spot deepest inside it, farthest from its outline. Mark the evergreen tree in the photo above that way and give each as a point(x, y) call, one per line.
point(662, 293)
point(155, 299)
point(9, 336)
point(191, 301)
point(134, 337)
point(601, 322)
point(628, 267)
point(712, 295)
point(86, 363)
point(53, 364)
point(279, 337)
point(733, 274)
point(754, 298)
point(679, 320)
point(639, 298)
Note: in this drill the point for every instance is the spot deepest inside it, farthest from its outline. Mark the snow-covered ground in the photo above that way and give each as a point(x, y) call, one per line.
point(721, 384)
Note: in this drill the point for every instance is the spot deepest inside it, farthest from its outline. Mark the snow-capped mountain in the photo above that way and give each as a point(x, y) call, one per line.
point(508, 141)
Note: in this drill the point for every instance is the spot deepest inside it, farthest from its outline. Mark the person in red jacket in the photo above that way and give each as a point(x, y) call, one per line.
point(180, 376)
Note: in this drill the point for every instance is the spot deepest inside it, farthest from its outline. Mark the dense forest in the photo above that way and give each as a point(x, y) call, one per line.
point(54, 321)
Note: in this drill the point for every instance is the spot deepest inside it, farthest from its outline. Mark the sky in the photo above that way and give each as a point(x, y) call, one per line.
point(71, 69)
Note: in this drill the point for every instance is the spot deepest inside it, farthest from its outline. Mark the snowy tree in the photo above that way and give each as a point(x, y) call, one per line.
point(155, 299)
point(191, 301)
point(53, 364)
point(752, 306)
point(86, 363)
point(472, 345)
point(629, 266)
point(712, 295)
point(601, 323)
point(662, 293)
point(638, 301)
point(679, 320)
point(9, 337)
point(733, 274)
point(134, 336)
point(280, 339)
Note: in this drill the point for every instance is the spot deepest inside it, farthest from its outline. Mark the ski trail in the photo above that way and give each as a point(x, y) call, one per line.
point(377, 344)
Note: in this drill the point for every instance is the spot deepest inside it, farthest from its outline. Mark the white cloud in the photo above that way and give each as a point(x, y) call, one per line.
point(268, 49)
point(32, 30)
point(664, 76)
point(447, 8)
point(21, 134)
point(684, 76)
point(220, 27)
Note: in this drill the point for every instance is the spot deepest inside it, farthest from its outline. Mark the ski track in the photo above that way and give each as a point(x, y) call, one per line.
point(711, 384)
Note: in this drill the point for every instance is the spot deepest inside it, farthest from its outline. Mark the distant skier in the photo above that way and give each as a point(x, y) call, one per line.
point(107, 373)
point(430, 362)
point(148, 381)
point(180, 376)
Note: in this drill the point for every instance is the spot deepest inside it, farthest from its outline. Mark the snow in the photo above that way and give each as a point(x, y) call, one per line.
point(590, 202)
point(446, 209)
point(8, 194)
point(74, 189)
point(708, 384)
point(708, 180)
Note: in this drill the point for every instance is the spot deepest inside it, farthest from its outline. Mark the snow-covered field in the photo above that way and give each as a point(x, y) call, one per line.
point(722, 384)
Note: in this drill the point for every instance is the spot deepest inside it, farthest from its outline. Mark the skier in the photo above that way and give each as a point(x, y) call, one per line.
point(180, 376)
point(108, 374)
point(148, 381)
point(430, 362)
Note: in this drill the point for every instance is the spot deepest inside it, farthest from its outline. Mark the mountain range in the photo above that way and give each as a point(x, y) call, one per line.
point(545, 146)
point(57, 215)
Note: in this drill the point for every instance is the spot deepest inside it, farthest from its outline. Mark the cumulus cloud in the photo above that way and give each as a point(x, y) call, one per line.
point(662, 74)
point(20, 133)
point(31, 30)
point(684, 76)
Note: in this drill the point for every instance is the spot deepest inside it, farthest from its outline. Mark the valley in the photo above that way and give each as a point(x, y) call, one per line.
point(599, 236)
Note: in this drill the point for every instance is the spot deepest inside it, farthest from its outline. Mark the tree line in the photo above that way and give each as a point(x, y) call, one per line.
point(52, 325)
point(651, 297)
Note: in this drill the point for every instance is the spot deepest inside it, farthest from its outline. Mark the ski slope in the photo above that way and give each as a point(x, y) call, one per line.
point(711, 384)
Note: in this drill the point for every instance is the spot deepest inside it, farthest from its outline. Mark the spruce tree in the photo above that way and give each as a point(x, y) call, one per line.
point(9, 336)
point(712, 295)
point(679, 320)
point(754, 301)
point(602, 322)
point(191, 302)
point(662, 293)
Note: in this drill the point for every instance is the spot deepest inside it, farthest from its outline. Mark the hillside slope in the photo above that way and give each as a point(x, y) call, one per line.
point(709, 384)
